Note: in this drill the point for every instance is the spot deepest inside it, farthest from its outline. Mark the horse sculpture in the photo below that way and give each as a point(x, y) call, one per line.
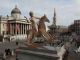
point(41, 30)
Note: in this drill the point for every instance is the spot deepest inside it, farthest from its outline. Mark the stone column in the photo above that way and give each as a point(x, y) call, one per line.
point(21, 28)
point(10, 29)
point(25, 28)
point(13, 28)
point(28, 26)
point(16, 28)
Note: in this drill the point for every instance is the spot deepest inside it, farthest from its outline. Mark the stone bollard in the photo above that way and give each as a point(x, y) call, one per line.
point(3, 40)
point(61, 52)
point(12, 52)
point(4, 56)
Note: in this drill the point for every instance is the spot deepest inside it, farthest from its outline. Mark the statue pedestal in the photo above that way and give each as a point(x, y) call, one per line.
point(36, 54)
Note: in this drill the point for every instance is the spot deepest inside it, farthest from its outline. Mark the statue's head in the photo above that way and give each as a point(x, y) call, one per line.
point(31, 13)
point(45, 18)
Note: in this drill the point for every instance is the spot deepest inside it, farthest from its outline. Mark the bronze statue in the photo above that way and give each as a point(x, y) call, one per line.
point(41, 29)
point(32, 19)
point(33, 31)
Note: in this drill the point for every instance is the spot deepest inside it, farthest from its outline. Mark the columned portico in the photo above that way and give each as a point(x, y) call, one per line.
point(14, 25)
point(19, 28)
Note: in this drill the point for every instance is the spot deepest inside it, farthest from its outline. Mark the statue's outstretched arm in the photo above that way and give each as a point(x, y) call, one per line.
point(37, 17)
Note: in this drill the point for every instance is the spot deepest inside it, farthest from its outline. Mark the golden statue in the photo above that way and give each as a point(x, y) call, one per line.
point(38, 29)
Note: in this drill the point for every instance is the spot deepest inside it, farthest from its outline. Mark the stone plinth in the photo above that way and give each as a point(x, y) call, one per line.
point(24, 53)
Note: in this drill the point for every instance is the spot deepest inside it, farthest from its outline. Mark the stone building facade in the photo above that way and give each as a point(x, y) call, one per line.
point(16, 24)
point(75, 27)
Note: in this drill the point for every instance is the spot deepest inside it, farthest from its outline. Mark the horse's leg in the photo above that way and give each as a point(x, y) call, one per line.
point(30, 37)
point(30, 40)
point(46, 36)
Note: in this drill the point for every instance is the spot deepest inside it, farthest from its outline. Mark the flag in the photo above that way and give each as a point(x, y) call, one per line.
point(17, 27)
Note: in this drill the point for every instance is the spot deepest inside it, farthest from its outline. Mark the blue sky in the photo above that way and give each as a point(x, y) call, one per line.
point(67, 10)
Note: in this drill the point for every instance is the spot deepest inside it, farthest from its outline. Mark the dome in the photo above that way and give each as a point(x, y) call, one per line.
point(15, 10)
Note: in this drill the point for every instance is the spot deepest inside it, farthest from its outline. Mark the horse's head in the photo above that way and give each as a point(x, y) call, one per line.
point(44, 18)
